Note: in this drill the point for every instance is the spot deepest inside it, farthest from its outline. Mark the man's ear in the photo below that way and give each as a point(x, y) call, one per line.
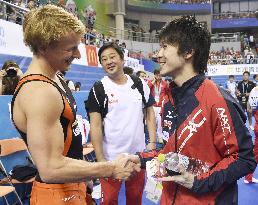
point(189, 54)
point(42, 50)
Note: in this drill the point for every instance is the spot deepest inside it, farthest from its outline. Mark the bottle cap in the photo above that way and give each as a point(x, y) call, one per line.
point(161, 158)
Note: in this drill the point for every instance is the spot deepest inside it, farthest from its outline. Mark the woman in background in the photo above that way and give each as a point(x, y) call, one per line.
point(9, 77)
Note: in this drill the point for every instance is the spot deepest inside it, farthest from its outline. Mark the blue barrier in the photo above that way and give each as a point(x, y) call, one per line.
point(149, 65)
point(6, 126)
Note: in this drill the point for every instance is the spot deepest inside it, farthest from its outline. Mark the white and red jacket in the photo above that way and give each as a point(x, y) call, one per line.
point(204, 122)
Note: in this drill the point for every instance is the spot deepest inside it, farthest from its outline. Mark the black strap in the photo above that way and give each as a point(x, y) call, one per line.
point(137, 83)
point(102, 98)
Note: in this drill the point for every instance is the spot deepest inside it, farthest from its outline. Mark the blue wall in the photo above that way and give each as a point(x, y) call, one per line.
point(234, 23)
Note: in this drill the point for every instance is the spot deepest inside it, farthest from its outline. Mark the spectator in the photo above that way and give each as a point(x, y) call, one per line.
point(123, 45)
point(158, 89)
point(31, 4)
point(252, 108)
point(231, 85)
point(9, 77)
point(255, 77)
point(243, 90)
point(77, 86)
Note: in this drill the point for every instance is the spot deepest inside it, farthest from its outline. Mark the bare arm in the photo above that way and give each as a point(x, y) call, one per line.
point(151, 124)
point(96, 134)
point(42, 107)
point(249, 108)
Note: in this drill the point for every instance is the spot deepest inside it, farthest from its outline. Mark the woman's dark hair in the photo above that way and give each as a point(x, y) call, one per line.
point(10, 81)
point(10, 63)
point(111, 45)
point(189, 36)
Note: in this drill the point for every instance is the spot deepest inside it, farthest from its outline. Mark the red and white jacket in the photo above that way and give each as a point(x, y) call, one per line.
point(204, 122)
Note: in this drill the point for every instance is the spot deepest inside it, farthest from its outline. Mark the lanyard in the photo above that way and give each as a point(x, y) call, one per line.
point(157, 89)
point(244, 86)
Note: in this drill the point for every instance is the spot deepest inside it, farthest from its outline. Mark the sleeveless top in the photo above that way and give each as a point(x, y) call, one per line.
point(72, 135)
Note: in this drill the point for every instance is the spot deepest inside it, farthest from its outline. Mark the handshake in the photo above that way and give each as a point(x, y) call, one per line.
point(125, 165)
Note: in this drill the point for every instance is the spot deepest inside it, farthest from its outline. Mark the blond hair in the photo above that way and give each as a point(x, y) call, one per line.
point(48, 24)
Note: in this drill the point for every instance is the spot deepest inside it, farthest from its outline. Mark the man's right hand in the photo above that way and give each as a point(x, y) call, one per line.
point(125, 165)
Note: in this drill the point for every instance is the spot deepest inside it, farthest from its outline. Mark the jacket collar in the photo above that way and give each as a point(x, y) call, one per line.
point(193, 84)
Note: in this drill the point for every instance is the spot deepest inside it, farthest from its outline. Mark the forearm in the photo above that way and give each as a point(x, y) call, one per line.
point(226, 172)
point(67, 170)
point(97, 142)
point(151, 124)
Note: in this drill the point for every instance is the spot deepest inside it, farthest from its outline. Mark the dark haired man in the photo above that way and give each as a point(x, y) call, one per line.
point(201, 120)
point(158, 88)
point(244, 88)
point(115, 107)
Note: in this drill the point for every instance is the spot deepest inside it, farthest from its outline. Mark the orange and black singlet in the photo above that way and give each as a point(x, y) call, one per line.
point(72, 135)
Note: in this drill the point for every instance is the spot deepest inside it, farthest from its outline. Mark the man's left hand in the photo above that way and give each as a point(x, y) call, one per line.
point(185, 179)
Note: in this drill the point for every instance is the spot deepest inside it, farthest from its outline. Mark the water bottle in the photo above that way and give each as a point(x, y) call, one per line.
point(172, 161)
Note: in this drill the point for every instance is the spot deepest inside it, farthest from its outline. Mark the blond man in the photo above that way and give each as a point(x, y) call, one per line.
point(43, 111)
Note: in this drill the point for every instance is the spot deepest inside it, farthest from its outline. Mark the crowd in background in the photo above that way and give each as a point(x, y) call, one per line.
point(230, 56)
point(186, 1)
point(234, 15)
